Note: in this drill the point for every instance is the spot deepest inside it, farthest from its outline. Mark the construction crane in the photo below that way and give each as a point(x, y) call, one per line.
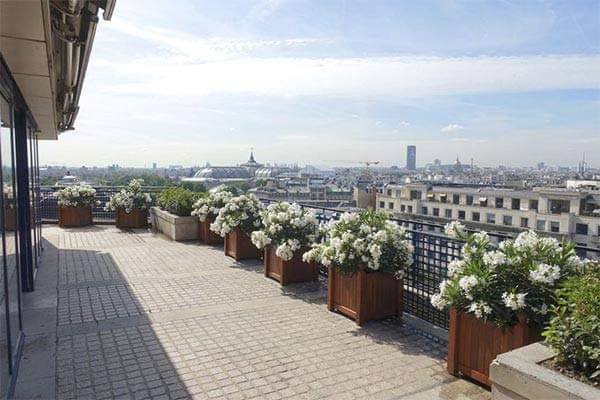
point(366, 163)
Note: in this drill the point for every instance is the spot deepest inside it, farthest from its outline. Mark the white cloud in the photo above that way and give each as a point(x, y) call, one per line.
point(393, 78)
point(452, 128)
point(404, 123)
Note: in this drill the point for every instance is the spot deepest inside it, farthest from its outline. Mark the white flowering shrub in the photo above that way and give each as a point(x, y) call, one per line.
point(241, 211)
point(130, 198)
point(366, 240)
point(9, 196)
point(287, 226)
point(498, 284)
point(77, 196)
point(209, 206)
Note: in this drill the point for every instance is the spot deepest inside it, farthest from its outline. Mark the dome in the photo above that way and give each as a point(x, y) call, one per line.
point(223, 173)
point(270, 172)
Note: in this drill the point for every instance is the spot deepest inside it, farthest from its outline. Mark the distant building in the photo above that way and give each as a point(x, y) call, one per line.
point(572, 212)
point(411, 158)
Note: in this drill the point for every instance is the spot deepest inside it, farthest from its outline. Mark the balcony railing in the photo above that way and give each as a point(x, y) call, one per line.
point(49, 202)
point(433, 250)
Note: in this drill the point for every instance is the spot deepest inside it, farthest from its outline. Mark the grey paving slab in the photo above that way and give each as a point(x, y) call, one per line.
point(138, 317)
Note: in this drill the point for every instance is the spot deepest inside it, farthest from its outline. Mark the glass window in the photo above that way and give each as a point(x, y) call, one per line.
point(455, 199)
point(475, 217)
point(491, 218)
point(391, 205)
point(461, 214)
point(436, 212)
point(469, 200)
point(581, 229)
point(409, 209)
point(507, 220)
point(402, 207)
point(424, 210)
point(448, 213)
point(524, 222)
point(11, 323)
point(554, 226)
point(499, 202)
point(515, 204)
point(382, 204)
point(533, 205)
point(540, 225)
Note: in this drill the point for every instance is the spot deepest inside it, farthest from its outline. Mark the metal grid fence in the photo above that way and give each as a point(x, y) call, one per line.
point(49, 202)
point(433, 250)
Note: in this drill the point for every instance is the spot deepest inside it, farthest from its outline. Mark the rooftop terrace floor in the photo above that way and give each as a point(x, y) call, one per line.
point(132, 315)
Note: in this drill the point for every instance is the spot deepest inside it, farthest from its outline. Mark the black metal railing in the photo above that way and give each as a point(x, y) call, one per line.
point(433, 251)
point(49, 202)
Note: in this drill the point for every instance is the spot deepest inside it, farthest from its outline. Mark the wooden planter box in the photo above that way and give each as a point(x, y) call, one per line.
point(473, 344)
point(291, 271)
point(239, 246)
point(206, 235)
point(364, 295)
point(74, 216)
point(135, 219)
point(10, 219)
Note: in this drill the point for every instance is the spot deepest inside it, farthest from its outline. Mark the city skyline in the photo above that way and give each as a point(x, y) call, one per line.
point(298, 79)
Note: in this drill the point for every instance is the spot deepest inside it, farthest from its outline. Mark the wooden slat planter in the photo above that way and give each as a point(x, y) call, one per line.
point(239, 246)
point(473, 344)
point(364, 295)
point(206, 235)
point(10, 219)
point(74, 216)
point(291, 271)
point(135, 219)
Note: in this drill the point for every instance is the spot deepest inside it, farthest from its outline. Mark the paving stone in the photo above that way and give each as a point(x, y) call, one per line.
point(241, 337)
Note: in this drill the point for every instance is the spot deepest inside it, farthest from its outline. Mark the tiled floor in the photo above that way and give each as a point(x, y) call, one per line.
point(141, 317)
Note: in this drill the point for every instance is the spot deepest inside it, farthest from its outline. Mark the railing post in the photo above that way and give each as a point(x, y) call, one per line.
point(23, 202)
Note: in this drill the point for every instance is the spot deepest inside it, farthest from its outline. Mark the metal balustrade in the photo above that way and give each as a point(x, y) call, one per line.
point(49, 202)
point(433, 250)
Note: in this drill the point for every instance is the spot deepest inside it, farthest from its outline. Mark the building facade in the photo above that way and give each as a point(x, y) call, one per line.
point(44, 51)
point(411, 157)
point(573, 214)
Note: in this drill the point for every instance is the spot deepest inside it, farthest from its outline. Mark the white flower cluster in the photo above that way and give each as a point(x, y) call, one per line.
point(130, 198)
point(210, 205)
point(514, 301)
point(455, 230)
point(544, 273)
point(480, 309)
point(357, 240)
point(76, 196)
point(241, 211)
point(287, 226)
point(518, 276)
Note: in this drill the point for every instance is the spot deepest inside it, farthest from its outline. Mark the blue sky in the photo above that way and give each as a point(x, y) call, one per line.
point(187, 81)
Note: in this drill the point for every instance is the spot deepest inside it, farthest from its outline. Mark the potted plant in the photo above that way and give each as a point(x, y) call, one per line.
point(206, 209)
point(367, 256)
point(499, 297)
point(10, 216)
point(235, 221)
point(567, 365)
point(75, 205)
point(131, 206)
point(288, 230)
point(172, 216)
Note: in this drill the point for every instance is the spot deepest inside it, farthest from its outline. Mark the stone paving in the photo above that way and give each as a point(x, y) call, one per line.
point(140, 317)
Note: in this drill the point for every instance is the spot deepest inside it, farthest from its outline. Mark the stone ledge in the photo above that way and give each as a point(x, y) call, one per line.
point(518, 375)
point(175, 227)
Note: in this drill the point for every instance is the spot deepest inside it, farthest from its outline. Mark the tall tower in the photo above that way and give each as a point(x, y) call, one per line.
point(411, 157)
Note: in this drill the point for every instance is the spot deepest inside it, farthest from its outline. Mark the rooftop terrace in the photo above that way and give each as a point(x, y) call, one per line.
point(132, 315)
